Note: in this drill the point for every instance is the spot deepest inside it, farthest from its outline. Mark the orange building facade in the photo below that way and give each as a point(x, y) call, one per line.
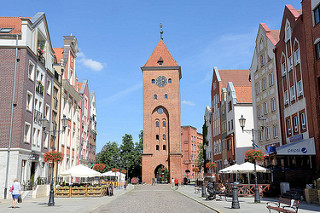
point(161, 116)
point(191, 142)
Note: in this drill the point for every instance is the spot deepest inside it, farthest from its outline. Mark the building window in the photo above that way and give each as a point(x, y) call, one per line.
point(264, 84)
point(155, 97)
point(191, 138)
point(46, 140)
point(288, 123)
point(231, 122)
point(318, 50)
point(229, 106)
point(166, 96)
point(31, 71)
point(295, 123)
point(303, 121)
point(157, 123)
point(260, 135)
point(293, 93)
point(34, 141)
point(283, 68)
point(262, 60)
point(288, 32)
point(257, 87)
point(157, 147)
point(259, 111)
point(164, 123)
point(267, 133)
point(27, 132)
point(47, 112)
point(169, 80)
point(297, 57)
point(48, 87)
point(316, 14)
point(164, 137)
point(265, 108)
point(275, 131)
point(164, 147)
point(300, 88)
point(157, 137)
point(273, 104)
point(271, 79)
point(153, 81)
point(285, 97)
point(29, 101)
point(290, 63)
point(228, 125)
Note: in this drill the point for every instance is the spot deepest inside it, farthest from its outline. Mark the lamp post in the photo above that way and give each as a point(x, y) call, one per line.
point(119, 172)
point(203, 183)
point(44, 123)
point(242, 122)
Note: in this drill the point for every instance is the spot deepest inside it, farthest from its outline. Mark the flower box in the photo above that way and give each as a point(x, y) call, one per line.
point(62, 191)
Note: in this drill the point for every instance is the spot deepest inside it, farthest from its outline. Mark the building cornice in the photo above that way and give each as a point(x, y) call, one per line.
point(163, 68)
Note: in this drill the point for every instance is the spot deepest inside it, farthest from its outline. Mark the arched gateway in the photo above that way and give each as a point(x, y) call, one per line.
point(161, 115)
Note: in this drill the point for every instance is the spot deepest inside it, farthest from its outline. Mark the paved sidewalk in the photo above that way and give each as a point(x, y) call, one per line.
point(86, 204)
point(246, 203)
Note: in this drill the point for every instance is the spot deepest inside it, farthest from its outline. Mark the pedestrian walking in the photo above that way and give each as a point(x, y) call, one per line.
point(155, 181)
point(16, 191)
point(176, 183)
point(172, 182)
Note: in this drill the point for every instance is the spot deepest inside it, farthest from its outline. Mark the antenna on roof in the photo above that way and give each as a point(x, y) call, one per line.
point(161, 31)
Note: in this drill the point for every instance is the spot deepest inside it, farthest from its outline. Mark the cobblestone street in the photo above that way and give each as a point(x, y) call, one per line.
point(147, 198)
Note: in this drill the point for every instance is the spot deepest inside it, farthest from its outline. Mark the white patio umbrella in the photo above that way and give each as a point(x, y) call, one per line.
point(121, 176)
point(248, 167)
point(229, 169)
point(80, 171)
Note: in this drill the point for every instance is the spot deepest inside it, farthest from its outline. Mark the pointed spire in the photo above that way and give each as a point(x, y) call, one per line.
point(161, 31)
point(160, 54)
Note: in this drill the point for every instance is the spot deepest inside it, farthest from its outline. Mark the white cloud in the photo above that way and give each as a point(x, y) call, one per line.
point(88, 62)
point(189, 103)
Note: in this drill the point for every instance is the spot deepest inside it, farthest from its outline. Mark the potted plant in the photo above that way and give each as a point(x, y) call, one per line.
point(99, 167)
point(254, 155)
point(211, 165)
point(53, 156)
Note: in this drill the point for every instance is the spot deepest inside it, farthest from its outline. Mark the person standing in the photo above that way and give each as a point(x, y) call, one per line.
point(176, 183)
point(16, 191)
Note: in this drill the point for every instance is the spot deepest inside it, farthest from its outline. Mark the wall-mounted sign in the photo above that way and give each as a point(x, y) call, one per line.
point(33, 156)
point(304, 147)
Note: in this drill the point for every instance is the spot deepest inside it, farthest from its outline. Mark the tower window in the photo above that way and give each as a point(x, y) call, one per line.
point(153, 81)
point(164, 147)
point(155, 97)
point(169, 80)
point(164, 137)
point(157, 123)
point(157, 147)
point(166, 96)
point(160, 61)
point(164, 123)
point(160, 110)
point(157, 137)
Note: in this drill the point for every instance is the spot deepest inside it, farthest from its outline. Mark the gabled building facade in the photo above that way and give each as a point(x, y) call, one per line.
point(26, 58)
point(93, 128)
point(264, 89)
point(207, 118)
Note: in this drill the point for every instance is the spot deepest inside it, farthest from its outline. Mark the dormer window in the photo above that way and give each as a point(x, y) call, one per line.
point(160, 61)
point(5, 30)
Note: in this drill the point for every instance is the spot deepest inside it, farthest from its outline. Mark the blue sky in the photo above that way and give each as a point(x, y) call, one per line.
point(117, 37)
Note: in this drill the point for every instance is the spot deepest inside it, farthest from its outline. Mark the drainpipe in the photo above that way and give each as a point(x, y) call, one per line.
point(11, 119)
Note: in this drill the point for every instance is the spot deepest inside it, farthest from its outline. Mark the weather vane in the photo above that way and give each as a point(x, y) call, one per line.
point(161, 31)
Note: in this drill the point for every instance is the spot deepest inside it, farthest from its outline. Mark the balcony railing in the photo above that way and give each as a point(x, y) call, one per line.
point(39, 88)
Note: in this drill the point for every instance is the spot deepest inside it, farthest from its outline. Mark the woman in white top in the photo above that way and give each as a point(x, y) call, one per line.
point(15, 192)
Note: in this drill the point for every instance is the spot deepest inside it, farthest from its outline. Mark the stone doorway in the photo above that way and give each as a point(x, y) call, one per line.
point(161, 173)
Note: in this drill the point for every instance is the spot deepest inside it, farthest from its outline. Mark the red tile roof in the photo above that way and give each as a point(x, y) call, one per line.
point(11, 22)
point(58, 52)
point(161, 51)
point(273, 35)
point(244, 94)
point(237, 77)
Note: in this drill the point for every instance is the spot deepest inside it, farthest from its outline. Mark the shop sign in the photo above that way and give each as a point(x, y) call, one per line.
point(305, 147)
point(33, 156)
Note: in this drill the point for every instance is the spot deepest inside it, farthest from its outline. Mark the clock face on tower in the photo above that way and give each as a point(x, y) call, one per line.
point(161, 81)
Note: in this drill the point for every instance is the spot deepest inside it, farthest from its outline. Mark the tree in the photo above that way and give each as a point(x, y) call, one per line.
point(108, 155)
point(127, 153)
point(205, 142)
point(138, 147)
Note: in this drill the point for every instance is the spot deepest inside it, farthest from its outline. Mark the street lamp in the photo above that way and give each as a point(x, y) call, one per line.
point(44, 122)
point(242, 122)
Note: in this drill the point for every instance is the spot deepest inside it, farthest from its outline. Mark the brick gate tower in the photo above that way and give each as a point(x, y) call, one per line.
point(161, 115)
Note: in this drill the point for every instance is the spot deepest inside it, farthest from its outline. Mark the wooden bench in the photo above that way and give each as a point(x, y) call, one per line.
point(284, 205)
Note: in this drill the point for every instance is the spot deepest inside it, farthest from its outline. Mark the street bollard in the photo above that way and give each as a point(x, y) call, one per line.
point(235, 201)
point(203, 194)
